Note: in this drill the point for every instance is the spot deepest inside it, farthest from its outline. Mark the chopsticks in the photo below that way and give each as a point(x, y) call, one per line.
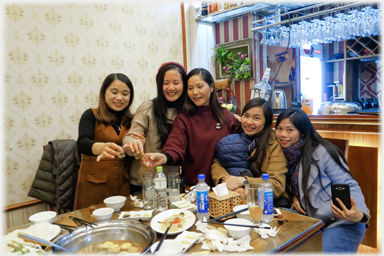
point(81, 221)
point(230, 214)
point(233, 224)
point(66, 227)
point(189, 192)
point(162, 239)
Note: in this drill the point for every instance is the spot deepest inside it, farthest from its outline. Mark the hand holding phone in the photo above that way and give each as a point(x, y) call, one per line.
point(342, 192)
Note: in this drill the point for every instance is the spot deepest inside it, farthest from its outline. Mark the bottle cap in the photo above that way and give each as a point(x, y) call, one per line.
point(159, 168)
point(265, 176)
point(201, 176)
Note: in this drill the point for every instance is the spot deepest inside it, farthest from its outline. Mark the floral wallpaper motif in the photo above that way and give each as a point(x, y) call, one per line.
point(56, 57)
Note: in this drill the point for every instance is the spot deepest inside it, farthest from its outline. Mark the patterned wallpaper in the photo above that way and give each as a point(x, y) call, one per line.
point(56, 57)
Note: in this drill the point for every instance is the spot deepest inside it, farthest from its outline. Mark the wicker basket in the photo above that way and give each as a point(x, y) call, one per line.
point(222, 83)
point(222, 205)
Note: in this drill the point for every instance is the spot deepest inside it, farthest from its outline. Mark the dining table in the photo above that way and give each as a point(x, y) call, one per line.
point(298, 233)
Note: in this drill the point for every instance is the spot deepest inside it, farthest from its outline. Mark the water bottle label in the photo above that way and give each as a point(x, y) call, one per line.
point(202, 200)
point(160, 183)
point(268, 202)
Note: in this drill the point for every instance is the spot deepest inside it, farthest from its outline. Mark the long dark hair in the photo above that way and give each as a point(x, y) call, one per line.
point(160, 103)
point(312, 139)
point(262, 137)
point(190, 107)
point(106, 115)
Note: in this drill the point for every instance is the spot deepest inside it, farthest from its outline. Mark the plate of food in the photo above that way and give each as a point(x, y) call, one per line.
point(136, 215)
point(181, 220)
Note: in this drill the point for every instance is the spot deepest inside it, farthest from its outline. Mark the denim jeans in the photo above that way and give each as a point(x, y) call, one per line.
point(343, 238)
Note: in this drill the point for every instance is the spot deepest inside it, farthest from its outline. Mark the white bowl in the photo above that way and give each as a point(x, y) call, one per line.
point(103, 213)
point(115, 202)
point(47, 216)
point(169, 247)
point(235, 231)
point(242, 215)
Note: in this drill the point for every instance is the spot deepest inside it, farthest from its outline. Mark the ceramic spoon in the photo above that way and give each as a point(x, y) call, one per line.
point(34, 239)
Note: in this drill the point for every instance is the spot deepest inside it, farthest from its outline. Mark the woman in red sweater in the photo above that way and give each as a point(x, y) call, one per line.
point(196, 130)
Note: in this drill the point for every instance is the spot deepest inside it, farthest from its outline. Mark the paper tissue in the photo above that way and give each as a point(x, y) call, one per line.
point(222, 201)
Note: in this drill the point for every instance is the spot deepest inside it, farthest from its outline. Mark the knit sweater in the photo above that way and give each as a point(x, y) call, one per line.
point(144, 122)
point(192, 142)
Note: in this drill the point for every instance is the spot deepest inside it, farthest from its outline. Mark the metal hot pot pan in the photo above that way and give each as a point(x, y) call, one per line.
point(128, 230)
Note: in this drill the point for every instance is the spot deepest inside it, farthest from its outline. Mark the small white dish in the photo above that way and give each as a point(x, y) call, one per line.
point(115, 202)
point(46, 216)
point(242, 215)
point(169, 247)
point(103, 213)
point(188, 239)
point(137, 215)
point(235, 231)
point(183, 204)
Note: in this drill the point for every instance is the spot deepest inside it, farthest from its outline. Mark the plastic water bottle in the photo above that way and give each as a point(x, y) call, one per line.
point(160, 184)
point(202, 198)
point(268, 199)
point(262, 89)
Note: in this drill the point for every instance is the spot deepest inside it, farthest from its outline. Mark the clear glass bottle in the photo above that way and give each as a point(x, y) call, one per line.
point(160, 184)
point(262, 89)
point(268, 199)
point(202, 199)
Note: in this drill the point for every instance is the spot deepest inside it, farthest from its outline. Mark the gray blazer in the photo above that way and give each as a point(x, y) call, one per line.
point(330, 173)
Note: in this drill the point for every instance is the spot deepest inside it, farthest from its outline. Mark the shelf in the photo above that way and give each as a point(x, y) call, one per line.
point(356, 58)
point(233, 12)
point(363, 47)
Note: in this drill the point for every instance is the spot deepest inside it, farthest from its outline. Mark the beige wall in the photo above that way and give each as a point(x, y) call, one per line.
point(56, 57)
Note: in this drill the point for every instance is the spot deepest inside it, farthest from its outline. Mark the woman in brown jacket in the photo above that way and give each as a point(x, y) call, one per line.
point(101, 132)
point(244, 156)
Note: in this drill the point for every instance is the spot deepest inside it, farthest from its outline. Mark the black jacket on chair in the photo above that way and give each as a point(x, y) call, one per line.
point(56, 177)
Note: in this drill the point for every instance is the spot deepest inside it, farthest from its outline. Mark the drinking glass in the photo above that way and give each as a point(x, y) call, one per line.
point(255, 200)
point(148, 191)
point(174, 186)
point(307, 106)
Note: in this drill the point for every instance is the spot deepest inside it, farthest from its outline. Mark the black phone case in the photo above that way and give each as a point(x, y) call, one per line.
point(342, 192)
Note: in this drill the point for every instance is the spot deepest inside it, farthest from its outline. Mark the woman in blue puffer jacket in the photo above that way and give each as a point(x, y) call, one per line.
point(250, 152)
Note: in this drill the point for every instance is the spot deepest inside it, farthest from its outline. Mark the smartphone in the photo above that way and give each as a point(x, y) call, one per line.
point(342, 192)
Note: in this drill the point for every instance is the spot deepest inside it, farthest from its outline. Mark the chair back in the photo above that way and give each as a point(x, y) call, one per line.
point(341, 144)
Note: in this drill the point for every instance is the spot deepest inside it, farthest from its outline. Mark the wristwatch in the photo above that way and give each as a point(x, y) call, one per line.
point(245, 182)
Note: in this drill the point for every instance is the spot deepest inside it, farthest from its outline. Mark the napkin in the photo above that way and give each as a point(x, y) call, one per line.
point(264, 233)
point(137, 202)
point(221, 189)
point(191, 197)
point(213, 239)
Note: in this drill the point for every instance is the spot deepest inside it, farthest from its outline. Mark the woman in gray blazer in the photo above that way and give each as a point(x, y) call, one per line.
point(313, 165)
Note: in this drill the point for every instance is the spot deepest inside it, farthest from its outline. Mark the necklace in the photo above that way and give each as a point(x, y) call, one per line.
point(117, 126)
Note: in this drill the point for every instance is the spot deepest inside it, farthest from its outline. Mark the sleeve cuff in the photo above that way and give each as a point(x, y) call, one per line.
point(169, 159)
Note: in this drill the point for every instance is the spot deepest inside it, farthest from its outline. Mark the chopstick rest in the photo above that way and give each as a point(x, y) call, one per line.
point(162, 239)
point(233, 224)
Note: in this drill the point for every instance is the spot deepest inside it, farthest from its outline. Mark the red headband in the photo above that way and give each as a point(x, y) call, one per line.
point(169, 63)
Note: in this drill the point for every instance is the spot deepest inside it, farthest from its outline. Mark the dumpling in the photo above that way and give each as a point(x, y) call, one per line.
point(125, 246)
point(108, 245)
point(114, 248)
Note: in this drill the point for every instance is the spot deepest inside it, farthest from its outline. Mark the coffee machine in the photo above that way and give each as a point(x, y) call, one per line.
point(279, 100)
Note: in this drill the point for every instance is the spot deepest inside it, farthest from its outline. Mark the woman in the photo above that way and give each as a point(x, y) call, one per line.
point(254, 150)
point(101, 131)
point(314, 164)
point(154, 118)
point(196, 130)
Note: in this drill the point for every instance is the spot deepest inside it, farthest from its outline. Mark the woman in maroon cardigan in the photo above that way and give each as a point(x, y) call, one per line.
point(196, 130)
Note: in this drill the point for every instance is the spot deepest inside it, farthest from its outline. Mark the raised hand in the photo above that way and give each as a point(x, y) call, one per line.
point(107, 150)
point(352, 214)
point(136, 146)
point(153, 159)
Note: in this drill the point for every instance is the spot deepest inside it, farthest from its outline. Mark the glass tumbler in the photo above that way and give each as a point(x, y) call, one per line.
point(255, 200)
point(148, 192)
point(174, 186)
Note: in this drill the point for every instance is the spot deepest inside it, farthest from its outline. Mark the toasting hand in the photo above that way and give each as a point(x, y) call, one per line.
point(153, 159)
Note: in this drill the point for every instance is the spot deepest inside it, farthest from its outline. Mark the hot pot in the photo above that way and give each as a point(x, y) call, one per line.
point(128, 230)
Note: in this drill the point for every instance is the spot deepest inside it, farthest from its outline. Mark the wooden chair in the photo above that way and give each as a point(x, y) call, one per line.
point(341, 144)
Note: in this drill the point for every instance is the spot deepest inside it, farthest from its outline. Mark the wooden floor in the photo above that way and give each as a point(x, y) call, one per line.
point(366, 249)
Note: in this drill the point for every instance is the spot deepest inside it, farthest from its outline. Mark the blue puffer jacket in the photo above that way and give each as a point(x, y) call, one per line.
point(231, 151)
